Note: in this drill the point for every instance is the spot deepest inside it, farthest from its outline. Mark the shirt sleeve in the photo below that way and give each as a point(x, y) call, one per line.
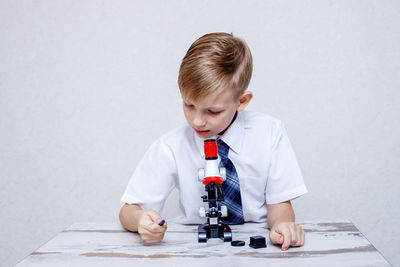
point(285, 181)
point(153, 179)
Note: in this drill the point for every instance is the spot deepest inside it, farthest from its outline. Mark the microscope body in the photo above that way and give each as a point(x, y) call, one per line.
point(212, 177)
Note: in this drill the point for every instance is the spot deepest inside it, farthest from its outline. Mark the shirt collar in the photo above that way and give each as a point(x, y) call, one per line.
point(233, 136)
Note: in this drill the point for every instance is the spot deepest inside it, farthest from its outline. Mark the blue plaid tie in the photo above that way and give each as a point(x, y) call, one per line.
point(231, 187)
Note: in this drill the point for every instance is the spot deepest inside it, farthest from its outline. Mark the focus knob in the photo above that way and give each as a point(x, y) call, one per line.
point(224, 211)
point(202, 212)
point(200, 172)
point(222, 172)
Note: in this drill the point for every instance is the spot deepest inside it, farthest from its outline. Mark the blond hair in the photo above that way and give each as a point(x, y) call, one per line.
point(214, 62)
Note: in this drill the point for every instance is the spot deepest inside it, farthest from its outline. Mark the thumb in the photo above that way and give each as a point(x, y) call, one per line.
point(153, 226)
point(154, 216)
point(275, 237)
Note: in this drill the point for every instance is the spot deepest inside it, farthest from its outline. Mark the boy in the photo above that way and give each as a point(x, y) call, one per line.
point(213, 79)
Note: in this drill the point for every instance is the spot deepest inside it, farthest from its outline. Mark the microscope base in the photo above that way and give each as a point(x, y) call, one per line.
point(222, 231)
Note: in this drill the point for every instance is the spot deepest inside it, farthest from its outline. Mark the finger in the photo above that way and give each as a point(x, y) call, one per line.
point(146, 236)
point(153, 238)
point(155, 229)
point(146, 230)
point(287, 237)
point(302, 237)
point(275, 237)
point(294, 230)
point(164, 227)
point(299, 236)
point(151, 241)
point(144, 233)
point(158, 236)
point(297, 231)
point(293, 233)
point(158, 222)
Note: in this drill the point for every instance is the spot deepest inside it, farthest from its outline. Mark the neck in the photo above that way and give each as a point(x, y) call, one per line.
point(234, 118)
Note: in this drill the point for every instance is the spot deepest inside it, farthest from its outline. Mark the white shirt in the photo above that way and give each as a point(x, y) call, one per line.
point(259, 148)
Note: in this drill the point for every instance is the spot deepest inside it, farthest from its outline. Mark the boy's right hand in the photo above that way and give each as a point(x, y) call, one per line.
point(148, 227)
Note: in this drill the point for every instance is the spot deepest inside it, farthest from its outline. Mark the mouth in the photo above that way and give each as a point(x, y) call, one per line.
point(202, 132)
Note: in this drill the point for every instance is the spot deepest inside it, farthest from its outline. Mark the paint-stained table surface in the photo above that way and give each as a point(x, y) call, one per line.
point(108, 244)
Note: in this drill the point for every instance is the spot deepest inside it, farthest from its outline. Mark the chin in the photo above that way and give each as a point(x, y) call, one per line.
point(206, 136)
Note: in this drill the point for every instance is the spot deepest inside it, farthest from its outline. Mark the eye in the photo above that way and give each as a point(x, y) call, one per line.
point(214, 112)
point(188, 105)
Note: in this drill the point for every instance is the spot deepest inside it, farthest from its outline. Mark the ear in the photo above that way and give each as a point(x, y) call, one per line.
point(244, 100)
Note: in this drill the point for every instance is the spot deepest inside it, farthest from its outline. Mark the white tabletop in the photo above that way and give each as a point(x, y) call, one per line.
point(108, 244)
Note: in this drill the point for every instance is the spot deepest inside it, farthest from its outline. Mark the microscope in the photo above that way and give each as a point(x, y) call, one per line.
point(212, 177)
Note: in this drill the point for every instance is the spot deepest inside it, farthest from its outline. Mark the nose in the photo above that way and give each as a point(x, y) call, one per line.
point(199, 121)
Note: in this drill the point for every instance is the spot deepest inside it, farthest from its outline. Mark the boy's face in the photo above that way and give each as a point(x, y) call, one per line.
point(212, 115)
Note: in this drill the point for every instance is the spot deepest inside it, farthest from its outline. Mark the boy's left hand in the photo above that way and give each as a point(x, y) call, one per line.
point(287, 234)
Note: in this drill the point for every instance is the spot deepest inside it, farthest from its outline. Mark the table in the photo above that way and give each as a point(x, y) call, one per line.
point(108, 244)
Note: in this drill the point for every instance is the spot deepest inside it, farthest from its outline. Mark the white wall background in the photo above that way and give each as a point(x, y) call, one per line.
point(86, 86)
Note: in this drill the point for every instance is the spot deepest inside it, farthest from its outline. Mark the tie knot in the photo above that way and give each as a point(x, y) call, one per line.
point(223, 148)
